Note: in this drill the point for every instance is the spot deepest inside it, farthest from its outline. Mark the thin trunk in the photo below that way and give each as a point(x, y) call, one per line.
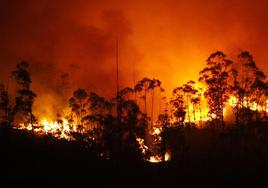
point(188, 106)
point(221, 106)
point(145, 106)
point(134, 81)
point(31, 121)
point(152, 110)
point(194, 112)
point(160, 106)
point(200, 113)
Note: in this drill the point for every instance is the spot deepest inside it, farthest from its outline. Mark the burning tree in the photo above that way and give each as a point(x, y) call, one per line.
point(248, 88)
point(25, 96)
point(145, 86)
point(189, 93)
point(215, 76)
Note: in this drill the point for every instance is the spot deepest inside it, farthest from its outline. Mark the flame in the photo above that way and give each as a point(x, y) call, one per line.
point(142, 146)
point(59, 130)
point(233, 102)
point(158, 159)
point(156, 131)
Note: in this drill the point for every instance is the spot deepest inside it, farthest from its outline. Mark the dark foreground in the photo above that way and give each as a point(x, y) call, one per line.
point(238, 158)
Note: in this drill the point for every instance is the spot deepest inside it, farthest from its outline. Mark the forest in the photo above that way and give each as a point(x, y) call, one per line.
point(210, 131)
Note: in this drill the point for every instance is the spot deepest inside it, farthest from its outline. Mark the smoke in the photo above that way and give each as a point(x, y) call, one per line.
point(71, 43)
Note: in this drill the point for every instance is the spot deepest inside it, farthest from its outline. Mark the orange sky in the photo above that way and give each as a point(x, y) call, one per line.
point(169, 39)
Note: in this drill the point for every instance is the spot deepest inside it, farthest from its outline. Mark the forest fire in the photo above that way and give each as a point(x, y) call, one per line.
point(233, 102)
point(152, 93)
point(60, 130)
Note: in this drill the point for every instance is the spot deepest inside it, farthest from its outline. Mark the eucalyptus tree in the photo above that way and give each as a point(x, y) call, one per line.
point(145, 86)
point(189, 93)
point(250, 88)
point(78, 104)
point(178, 105)
point(215, 76)
point(25, 96)
point(6, 109)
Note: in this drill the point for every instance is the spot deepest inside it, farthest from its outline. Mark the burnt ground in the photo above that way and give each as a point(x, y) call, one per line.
point(232, 159)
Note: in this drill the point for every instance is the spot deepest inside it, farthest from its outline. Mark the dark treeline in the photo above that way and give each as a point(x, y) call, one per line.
point(115, 124)
point(110, 127)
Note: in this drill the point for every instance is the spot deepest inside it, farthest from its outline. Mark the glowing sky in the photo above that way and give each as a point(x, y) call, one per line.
point(169, 40)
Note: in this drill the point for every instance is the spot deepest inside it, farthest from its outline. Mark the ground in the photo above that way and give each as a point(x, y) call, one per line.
point(28, 160)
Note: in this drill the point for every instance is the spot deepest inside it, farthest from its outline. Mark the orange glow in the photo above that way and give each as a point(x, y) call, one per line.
point(58, 130)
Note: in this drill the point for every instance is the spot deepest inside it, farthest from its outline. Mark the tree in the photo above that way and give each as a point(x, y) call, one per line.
point(116, 137)
point(133, 122)
point(155, 84)
point(237, 92)
point(196, 102)
point(103, 123)
point(144, 86)
point(164, 123)
point(25, 96)
point(6, 110)
point(78, 105)
point(189, 93)
point(259, 88)
point(178, 105)
point(248, 87)
point(215, 76)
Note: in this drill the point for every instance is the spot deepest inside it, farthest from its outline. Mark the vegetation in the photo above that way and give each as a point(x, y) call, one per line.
point(114, 128)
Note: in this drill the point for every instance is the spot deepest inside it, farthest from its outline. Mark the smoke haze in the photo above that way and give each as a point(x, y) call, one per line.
point(71, 43)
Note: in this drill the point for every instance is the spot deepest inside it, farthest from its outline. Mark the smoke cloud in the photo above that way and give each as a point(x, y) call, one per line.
point(71, 43)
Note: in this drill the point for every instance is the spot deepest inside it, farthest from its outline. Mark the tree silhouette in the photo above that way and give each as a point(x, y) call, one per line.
point(155, 84)
point(178, 105)
point(78, 105)
point(102, 122)
point(249, 88)
point(7, 112)
point(196, 102)
point(215, 76)
point(259, 88)
point(145, 86)
point(189, 93)
point(163, 122)
point(25, 96)
point(238, 92)
point(133, 122)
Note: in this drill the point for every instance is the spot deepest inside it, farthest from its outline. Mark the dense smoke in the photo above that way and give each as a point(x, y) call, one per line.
point(71, 44)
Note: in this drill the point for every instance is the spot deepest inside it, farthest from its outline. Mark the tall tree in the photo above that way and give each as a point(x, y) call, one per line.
point(6, 109)
point(190, 97)
point(248, 87)
point(78, 105)
point(215, 76)
point(132, 121)
point(25, 96)
point(145, 86)
point(178, 105)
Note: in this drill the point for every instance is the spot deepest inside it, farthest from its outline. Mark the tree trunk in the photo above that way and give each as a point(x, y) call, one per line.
point(188, 106)
point(194, 112)
point(152, 110)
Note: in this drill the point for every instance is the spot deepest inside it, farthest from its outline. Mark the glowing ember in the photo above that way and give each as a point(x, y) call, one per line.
point(142, 147)
point(156, 131)
point(158, 159)
point(167, 156)
point(155, 159)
